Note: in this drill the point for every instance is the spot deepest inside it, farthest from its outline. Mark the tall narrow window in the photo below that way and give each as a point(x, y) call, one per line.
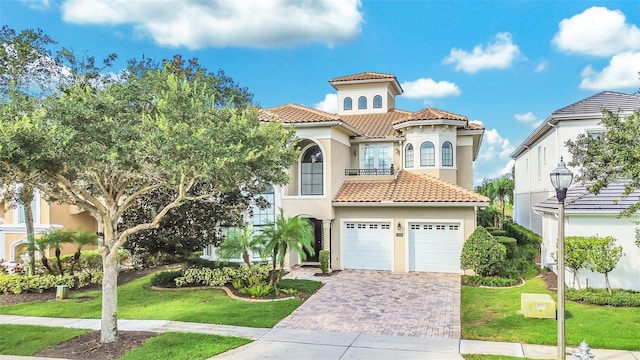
point(539, 162)
point(408, 156)
point(427, 154)
point(362, 102)
point(264, 210)
point(311, 174)
point(447, 154)
point(377, 156)
point(21, 217)
point(347, 103)
point(377, 102)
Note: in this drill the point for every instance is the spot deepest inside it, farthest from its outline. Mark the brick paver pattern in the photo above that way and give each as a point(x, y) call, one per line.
point(425, 305)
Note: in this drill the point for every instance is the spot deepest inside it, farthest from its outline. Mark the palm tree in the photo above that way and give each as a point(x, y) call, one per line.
point(82, 238)
point(498, 190)
point(295, 234)
point(56, 238)
point(240, 242)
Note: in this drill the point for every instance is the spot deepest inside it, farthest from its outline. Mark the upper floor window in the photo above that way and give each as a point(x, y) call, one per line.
point(347, 103)
point(21, 217)
point(377, 102)
point(408, 156)
point(264, 210)
point(447, 154)
point(362, 102)
point(377, 156)
point(311, 173)
point(596, 134)
point(427, 154)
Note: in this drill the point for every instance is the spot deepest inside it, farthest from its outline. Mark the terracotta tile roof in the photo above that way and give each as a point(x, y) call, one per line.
point(474, 126)
point(407, 187)
point(433, 114)
point(293, 113)
point(376, 125)
point(363, 76)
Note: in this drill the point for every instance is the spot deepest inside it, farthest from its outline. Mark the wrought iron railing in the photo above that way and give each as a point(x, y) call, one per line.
point(356, 172)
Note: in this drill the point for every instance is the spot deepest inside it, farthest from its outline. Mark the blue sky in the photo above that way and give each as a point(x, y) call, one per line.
point(507, 64)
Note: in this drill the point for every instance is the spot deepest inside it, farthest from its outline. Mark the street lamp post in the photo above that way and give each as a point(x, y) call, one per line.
point(561, 179)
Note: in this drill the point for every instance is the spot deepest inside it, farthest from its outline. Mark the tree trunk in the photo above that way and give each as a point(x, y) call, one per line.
point(606, 278)
point(31, 235)
point(109, 321)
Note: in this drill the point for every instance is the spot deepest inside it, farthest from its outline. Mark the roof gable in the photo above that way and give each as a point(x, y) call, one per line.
point(607, 99)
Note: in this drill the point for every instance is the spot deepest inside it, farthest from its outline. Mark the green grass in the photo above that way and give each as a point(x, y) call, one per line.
point(136, 300)
point(184, 346)
point(305, 286)
point(29, 339)
point(493, 314)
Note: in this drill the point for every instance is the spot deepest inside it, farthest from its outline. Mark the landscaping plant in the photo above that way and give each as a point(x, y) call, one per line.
point(240, 242)
point(323, 257)
point(576, 255)
point(482, 253)
point(604, 256)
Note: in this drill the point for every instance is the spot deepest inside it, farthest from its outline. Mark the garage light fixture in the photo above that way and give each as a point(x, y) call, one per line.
point(399, 226)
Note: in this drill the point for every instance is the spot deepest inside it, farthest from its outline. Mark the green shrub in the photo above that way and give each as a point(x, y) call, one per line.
point(164, 278)
point(199, 276)
point(482, 253)
point(17, 284)
point(258, 290)
point(498, 232)
point(491, 229)
point(523, 235)
point(492, 281)
point(509, 243)
point(619, 298)
point(204, 263)
point(323, 257)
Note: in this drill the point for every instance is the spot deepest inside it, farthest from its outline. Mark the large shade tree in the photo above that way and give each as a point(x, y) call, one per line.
point(101, 145)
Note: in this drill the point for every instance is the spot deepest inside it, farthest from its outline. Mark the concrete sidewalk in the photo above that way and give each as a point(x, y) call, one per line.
point(284, 343)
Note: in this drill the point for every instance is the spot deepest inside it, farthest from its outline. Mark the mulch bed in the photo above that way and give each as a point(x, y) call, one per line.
point(88, 346)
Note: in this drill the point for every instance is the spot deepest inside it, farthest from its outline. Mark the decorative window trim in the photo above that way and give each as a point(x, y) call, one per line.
point(347, 103)
point(362, 102)
point(377, 102)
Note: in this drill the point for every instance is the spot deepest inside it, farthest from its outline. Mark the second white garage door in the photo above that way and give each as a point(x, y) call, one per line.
point(435, 247)
point(367, 245)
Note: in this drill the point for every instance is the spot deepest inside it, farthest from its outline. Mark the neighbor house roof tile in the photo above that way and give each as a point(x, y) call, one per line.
point(610, 100)
point(610, 198)
point(406, 187)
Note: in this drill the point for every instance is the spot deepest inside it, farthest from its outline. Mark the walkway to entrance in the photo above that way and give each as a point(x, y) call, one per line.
point(423, 305)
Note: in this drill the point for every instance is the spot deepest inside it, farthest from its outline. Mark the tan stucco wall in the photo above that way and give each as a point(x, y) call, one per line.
point(60, 215)
point(465, 166)
point(399, 215)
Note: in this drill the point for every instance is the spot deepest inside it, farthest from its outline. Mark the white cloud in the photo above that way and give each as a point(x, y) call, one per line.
point(597, 31)
point(528, 118)
point(542, 66)
point(499, 54)
point(240, 23)
point(329, 104)
point(429, 88)
point(37, 4)
point(622, 72)
point(493, 160)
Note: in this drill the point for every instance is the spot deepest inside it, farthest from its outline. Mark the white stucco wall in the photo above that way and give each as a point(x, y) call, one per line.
point(626, 275)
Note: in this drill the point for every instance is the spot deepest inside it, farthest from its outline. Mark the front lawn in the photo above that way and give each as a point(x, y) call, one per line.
point(28, 340)
point(136, 300)
point(493, 314)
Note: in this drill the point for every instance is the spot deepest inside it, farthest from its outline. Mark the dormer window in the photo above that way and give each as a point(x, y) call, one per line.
point(377, 102)
point(362, 102)
point(447, 154)
point(347, 103)
point(408, 156)
point(427, 154)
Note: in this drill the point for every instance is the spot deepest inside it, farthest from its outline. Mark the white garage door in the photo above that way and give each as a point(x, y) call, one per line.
point(435, 247)
point(367, 245)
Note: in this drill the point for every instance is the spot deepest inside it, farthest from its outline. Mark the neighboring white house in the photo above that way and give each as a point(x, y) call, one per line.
point(535, 205)
point(540, 153)
point(384, 188)
point(587, 214)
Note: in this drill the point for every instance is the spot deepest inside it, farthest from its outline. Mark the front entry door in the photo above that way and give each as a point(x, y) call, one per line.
point(316, 226)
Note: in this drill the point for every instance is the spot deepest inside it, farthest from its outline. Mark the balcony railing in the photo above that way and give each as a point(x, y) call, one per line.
point(356, 172)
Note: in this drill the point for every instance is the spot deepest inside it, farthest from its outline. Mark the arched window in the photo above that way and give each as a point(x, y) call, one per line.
point(362, 102)
point(347, 103)
point(447, 154)
point(311, 176)
point(427, 154)
point(377, 102)
point(408, 156)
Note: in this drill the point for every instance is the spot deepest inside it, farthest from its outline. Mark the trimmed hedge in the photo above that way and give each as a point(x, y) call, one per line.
point(523, 235)
point(509, 243)
point(17, 284)
point(199, 276)
point(166, 277)
point(619, 298)
point(492, 281)
point(498, 232)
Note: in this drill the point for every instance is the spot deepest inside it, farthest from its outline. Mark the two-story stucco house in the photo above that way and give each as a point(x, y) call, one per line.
point(586, 214)
point(385, 189)
point(47, 215)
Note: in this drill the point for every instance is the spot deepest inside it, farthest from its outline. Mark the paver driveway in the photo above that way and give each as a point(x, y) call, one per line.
point(377, 302)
